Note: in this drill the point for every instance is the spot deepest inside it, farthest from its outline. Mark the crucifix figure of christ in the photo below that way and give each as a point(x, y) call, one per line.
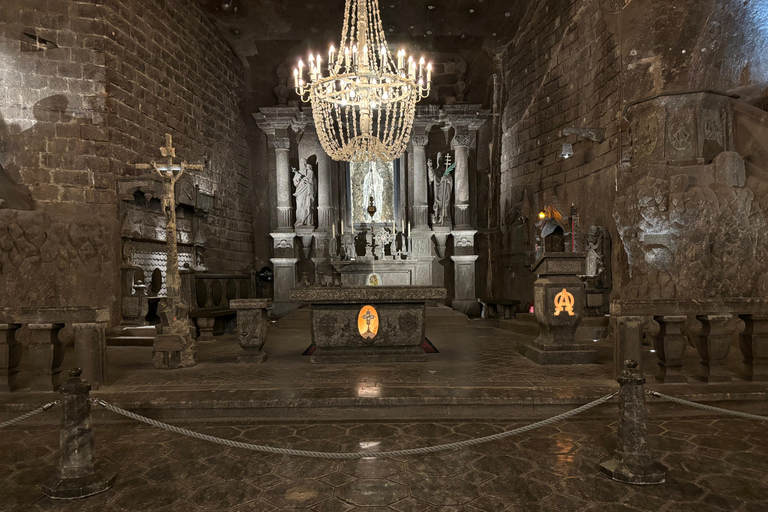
point(176, 312)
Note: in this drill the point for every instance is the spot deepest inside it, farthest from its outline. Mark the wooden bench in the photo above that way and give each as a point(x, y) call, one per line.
point(492, 307)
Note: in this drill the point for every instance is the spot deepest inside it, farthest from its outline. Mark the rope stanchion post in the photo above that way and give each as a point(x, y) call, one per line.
point(78, 474)
point(633, 462)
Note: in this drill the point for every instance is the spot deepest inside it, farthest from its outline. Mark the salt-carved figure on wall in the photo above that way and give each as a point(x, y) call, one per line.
point(598, 255)
point(442, 188)
point(373, 187)
point(304, 183)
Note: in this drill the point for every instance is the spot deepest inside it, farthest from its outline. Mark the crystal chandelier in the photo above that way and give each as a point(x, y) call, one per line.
point(364, 100)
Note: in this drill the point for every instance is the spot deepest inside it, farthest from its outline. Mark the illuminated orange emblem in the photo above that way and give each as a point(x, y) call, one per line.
point(564, 302)
point(368, 322)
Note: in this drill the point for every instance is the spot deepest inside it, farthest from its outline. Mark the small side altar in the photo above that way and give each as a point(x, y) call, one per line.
point(369, 324)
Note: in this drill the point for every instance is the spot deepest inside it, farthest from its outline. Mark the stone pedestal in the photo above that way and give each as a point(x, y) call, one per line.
point(285, 279)
point(166, 351)
point(206, 328)
point(46, 355)
point(251, 328)
point(754, 346)
point(372, 324)
point(559, 300)
point(91, 351)
point(634, 462)
point(465, 300)
point(713, 343)
point(78, 475)
point(10, 356)
point(464, 260)
point(628, 343)
point(670, 344)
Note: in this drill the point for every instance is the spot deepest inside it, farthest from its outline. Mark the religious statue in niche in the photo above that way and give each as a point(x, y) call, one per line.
point(373, 187)
point(304, 183)
point(442, 188)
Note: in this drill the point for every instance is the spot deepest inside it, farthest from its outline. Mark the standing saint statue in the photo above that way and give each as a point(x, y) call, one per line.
point(442, 188)
point(304, 183)
point(373, 187)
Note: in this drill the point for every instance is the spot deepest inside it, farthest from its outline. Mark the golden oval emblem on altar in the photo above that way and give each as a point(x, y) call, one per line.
point(368, 322)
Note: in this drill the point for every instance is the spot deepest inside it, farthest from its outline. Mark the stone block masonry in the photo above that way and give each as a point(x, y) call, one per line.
point(76, 113)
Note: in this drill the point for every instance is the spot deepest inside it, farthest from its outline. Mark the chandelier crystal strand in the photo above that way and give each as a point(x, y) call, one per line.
point(364, 99)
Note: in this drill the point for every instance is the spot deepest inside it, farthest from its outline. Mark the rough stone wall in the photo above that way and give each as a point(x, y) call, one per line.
point(560, 71)
point(577, 64)
point(75, 115)
point(168, 71)
point(54, 142)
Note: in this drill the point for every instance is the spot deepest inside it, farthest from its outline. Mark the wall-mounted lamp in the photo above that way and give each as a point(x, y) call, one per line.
point(567, 150)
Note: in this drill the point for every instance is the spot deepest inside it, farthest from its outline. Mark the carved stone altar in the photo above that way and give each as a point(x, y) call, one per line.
point(371, 324)
point(559, 304)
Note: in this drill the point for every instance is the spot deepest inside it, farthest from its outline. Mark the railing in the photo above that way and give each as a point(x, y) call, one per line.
point(708, 325)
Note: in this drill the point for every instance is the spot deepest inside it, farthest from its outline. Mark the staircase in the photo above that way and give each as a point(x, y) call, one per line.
point(132, 336)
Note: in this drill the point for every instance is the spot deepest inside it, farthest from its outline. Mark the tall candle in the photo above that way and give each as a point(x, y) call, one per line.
point(409, 229)
point(393, 226)
point(333, 230)
point(342, 228)
point(402, 225)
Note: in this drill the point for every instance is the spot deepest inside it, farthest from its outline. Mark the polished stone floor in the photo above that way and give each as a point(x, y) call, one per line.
point(714, 465)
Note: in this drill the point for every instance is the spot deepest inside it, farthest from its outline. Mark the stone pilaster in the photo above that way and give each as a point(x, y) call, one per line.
point(282, 147)
point(420, 202)
point(460, 144)
point(284, 268)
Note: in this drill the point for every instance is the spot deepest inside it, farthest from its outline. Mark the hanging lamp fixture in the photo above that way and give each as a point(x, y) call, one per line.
point(363, 101)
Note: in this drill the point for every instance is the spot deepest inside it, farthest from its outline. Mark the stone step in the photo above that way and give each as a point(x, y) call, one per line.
point(298, 319)
point(139, 330)
point(440, 316)
point(522, 326)
point(130, 341)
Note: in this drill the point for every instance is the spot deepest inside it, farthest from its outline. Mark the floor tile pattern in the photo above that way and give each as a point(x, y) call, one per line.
point(714, 464)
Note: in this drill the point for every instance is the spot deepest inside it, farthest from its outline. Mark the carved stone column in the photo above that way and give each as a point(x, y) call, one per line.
point(326, 214)
point(10, 356)
point(670, 345)
point(420, 203)
point(461, 143)
point(754, 346)
point(283, 173)
point(713, 343)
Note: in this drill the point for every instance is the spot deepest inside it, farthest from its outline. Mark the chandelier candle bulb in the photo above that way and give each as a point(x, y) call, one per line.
point(421, 67)
point(331, 51)
point(429, 73)
point(333, 230)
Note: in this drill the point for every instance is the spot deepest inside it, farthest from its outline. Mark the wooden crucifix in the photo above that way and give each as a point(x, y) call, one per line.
point(178, 312)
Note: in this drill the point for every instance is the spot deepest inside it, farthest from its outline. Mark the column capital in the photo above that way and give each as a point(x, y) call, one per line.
point(420, 140)
point(281, 143)
point(462, 140)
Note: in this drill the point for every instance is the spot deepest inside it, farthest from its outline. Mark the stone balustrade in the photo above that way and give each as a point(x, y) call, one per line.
point(46, 332)
point(708, 325)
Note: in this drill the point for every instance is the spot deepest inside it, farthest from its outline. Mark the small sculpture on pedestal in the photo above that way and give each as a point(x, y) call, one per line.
point(304, 183)
point(442, 188)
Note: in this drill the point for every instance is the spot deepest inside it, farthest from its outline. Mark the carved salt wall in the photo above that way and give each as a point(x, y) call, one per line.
point(690, 224)
point(577, 64)
point(54, 261)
